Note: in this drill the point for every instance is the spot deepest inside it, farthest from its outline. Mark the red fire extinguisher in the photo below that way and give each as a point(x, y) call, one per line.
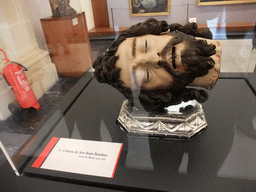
point(16, 78)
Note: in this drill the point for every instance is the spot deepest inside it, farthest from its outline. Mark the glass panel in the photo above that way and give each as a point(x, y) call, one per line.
point(234, 32)
point(191, 130)
point(54, 52)
point(228, 111)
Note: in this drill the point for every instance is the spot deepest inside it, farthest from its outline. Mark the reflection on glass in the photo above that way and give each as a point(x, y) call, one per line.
point(218, 32)
point(240, 161)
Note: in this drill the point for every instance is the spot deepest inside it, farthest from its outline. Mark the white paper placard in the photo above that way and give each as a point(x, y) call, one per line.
point(95, 158)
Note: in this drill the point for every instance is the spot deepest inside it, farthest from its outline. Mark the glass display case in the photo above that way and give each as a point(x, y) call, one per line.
point(55, 50)
point(79, 136)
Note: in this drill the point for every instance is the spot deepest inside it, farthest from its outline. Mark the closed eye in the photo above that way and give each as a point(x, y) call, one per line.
point(141, 76)
point(147, 79)
point(146, 46)
point(173, 57)
point(147, 76)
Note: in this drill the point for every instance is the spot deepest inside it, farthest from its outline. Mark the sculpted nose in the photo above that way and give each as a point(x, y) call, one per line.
point(155, 58)
point(148, 59)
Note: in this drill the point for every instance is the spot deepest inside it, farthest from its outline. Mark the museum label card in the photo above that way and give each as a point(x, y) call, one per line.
point(95, 158)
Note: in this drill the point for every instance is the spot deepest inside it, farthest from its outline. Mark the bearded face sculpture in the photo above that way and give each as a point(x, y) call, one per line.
point(158, 61)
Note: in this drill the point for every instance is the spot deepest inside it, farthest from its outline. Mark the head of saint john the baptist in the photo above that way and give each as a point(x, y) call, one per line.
point(158, 61)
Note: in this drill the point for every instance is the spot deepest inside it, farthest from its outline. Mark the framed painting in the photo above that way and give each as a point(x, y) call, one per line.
point(149, 7)
point(223, 2)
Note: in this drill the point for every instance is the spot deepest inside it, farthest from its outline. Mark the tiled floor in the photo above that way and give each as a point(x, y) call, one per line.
point(15, 130)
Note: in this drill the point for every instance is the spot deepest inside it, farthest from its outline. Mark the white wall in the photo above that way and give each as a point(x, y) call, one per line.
point(237, 13)
point(36, 10)
point(84, 6)
point(87, 8)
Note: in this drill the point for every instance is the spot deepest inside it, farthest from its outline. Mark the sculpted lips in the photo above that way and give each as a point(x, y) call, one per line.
point(174, 59)
point(171, 57)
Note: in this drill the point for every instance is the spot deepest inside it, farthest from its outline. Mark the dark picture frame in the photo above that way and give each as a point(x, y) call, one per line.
point(149, 7)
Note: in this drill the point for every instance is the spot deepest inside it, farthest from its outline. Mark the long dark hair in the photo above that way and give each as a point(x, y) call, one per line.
point(154, 100)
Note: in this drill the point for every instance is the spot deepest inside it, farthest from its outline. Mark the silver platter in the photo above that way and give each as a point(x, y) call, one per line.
point(172, 124)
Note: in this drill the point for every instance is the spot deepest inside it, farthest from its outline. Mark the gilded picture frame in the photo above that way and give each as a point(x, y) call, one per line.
point(222, 2)
point(149, 7)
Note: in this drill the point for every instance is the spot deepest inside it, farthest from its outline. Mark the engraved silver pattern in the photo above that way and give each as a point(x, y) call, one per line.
point(172, 124)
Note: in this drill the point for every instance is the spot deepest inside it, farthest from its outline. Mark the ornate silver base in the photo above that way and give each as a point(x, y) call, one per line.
point(173, 124)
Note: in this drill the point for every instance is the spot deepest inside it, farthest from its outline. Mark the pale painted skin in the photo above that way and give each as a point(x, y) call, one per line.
point(141, 69)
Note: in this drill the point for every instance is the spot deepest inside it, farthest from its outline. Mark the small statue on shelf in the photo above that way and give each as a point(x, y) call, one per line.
point(64, 9)
point(152, 63)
